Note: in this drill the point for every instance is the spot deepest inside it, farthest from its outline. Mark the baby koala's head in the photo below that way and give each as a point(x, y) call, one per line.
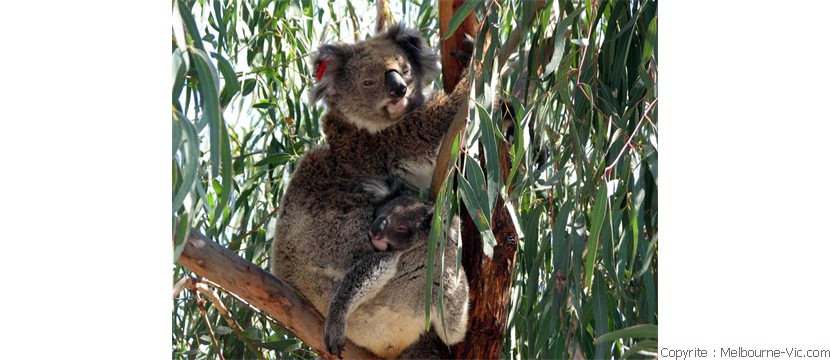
point(401, 223)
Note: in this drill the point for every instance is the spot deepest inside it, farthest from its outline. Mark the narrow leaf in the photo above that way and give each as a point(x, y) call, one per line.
point(190, 157)
point(190, 25)
point(644, 331)
point(276, 159)
point(491, 157)
point(559, 41)
point(209, 89)
point(182, 233)
point(597, 217)
point(459, 17)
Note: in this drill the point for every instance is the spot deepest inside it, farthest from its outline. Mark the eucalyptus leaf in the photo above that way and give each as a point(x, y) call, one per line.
point(209, 89)
point(644, 331)
point(458, 17)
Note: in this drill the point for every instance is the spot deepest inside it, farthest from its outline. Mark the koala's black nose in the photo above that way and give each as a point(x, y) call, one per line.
point(395, 84)
point(378, 225)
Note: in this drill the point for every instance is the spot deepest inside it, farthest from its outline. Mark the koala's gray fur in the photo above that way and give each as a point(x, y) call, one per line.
point(401, 225)
point(328, 207)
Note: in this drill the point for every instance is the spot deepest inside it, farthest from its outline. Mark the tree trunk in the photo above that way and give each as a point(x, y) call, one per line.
point(490, 279)
point(261, 289)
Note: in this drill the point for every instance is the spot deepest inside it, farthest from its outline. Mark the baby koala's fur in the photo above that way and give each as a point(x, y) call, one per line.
point(402, 224)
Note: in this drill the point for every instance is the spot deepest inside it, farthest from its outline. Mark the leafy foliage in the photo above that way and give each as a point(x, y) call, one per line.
point(581, 79)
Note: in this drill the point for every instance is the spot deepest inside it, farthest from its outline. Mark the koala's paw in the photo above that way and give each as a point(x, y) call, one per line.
point(335, 338)
point(466, 55)
point(462, 56)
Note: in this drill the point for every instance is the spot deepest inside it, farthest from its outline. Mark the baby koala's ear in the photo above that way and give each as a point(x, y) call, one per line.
point(327, 66)
point(426, 223)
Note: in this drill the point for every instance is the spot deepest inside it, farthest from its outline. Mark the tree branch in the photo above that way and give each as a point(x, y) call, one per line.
point(261, 289)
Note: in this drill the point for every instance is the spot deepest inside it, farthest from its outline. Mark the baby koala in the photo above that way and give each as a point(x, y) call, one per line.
point(401, 224)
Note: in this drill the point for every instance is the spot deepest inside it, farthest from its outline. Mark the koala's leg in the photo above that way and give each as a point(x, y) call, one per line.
point(452, 328)
point(360, 284)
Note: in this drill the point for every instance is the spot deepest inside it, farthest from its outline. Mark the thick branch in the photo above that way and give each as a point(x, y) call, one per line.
point(261, 289)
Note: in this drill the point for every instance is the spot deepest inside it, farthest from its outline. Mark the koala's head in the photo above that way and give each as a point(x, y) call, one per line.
point(401, 223)
point(374, 82)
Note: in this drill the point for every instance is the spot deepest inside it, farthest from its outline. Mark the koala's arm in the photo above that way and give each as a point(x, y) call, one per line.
point(441, 111)
point(420, 133)
point(360, 284)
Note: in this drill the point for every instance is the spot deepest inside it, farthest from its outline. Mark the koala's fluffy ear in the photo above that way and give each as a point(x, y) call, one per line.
point(328, 64)
point(426, 224)
point(423, 58)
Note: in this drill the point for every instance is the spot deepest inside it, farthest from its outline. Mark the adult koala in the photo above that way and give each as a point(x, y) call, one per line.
point(378, 126)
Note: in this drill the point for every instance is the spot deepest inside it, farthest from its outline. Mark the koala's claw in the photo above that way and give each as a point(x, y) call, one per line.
point(462, 56)
point(465, 55)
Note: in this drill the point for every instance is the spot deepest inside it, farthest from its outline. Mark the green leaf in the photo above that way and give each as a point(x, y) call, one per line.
point(491, 157)
point(227, 175)
point(644, 331)
point(190, 25)
point(231, 82)
point(458, 17)
point(651, 40)
point(478, 184)
point(652, 246)
point(180, 65)
point(436, 233)
point(222, 330)
point(651, 159)
point(274, 159)
point(248, 86)
point(264, 104)
point(190, 157)
point(209, 89)
point(182, 233)
point(252, 333)
point(177, 136)
point(178, 29)
point(283, 346)
point(648, 346)
point(477, 212)
point(559, 41)
point(597, 218)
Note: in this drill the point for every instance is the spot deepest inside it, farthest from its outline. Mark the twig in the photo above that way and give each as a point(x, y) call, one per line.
point(201, 303)
point(226, 314)
point(257, 226)
point(255, 309)
point(272, 67)
point(633, 133)
point(181, 285)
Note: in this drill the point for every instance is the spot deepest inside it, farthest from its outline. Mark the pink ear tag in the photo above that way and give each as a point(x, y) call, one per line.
point(322, 69)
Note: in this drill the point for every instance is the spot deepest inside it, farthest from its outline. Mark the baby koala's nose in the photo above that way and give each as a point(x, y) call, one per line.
point(377, 226)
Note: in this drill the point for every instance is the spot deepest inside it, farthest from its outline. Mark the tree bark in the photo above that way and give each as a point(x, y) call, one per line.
point(261, 289)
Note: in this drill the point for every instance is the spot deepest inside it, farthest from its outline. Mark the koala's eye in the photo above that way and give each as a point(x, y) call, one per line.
point(368, 83)
point(406, 71)
point(401, 229)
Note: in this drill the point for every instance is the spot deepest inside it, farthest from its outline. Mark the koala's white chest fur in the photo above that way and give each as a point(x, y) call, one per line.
point(384, 330)
point(417, 173)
